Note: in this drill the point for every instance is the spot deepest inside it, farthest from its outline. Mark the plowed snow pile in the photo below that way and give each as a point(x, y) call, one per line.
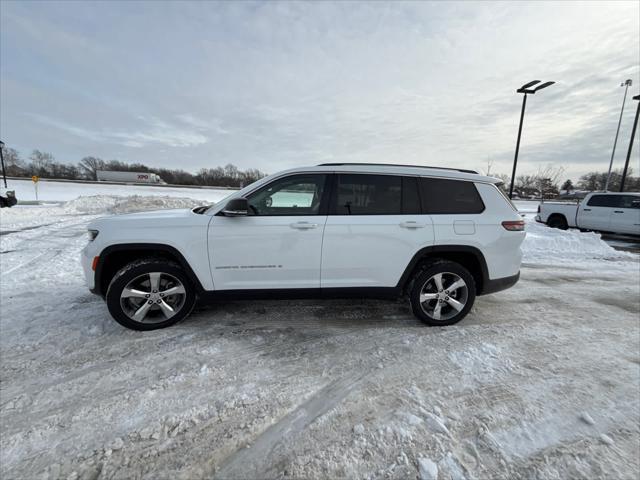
point(118, 204)
point(540, 381)
point(21, 217)
point(545, 245)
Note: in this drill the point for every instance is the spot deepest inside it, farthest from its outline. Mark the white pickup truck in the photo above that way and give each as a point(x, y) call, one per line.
point(601, 211)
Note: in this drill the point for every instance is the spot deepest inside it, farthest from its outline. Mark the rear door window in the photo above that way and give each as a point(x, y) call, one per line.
point(444, 196)
point(410, 196)
point(376, 195)
point(604, 201)
point(368, 195)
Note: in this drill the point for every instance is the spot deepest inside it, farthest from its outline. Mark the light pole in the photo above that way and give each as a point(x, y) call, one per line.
point(633, 134)
point(526, 89)
point(4, 172)
point(626, 86)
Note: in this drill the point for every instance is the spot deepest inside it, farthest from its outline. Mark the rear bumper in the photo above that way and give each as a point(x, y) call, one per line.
point(493, 286)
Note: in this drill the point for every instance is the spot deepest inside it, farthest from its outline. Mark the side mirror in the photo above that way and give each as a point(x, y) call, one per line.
point(237, 207)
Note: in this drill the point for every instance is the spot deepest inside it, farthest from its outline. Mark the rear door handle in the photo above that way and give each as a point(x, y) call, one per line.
point(586, 209)
point(303, 225)
point(412, 225)
point(618, 211)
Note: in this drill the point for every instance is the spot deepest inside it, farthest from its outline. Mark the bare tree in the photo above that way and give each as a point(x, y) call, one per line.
point(12, 161)
point(41, 163)
point(550, 172)
point(88, 166)
point(567, 186)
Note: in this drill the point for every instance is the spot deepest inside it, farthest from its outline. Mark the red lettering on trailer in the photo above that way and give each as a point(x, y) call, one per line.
point(143, 177)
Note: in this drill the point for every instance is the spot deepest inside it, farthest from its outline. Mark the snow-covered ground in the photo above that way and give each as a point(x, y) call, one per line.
point(539, 381)
point(56, 191)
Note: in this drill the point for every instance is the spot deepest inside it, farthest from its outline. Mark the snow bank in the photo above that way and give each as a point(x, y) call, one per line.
point(135, 203)
point(548, 245)
point(64, 191)
point(32, 216)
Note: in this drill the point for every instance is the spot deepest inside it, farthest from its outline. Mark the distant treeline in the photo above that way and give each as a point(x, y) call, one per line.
point(44, 164)
point(545, 182)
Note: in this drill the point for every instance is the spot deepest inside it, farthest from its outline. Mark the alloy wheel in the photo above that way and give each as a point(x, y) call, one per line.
point(443, 296)
point(152, 297)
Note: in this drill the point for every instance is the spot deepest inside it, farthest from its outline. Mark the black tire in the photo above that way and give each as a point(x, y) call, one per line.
point(135, 270)
point(558, 221)
point(423, 281)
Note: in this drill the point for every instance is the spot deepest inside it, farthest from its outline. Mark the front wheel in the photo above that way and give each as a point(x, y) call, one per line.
point(150, 294)
point(443, 293)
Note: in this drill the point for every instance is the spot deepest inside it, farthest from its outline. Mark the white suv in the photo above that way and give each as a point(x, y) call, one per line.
point(440, 236)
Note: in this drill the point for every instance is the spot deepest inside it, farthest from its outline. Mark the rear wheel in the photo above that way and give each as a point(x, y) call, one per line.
point(558, 221)
point(150, 294)
point(443, 293)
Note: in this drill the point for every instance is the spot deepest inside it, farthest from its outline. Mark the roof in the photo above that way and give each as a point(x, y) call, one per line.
point(605, 192)
point(413, 170)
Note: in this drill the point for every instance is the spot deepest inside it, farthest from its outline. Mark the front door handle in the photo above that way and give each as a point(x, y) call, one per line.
point(618, 211)
point(303, 225)
point(412, 225)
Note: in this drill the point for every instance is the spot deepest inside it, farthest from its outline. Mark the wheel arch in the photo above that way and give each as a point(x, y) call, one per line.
point(469, 257)
point(560, 216)
point(114, 257)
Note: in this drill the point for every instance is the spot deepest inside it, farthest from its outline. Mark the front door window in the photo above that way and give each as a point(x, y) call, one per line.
point(294, 195)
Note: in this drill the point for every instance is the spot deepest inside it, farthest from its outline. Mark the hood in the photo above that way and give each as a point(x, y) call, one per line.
point(167, 217)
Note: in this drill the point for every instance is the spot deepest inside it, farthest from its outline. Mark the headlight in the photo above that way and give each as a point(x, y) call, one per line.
point(92, 234)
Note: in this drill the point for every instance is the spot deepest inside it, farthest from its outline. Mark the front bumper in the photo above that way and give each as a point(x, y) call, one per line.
point(86, 259)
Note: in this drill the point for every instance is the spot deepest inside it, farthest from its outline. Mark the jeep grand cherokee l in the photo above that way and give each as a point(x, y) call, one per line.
point(439, 236)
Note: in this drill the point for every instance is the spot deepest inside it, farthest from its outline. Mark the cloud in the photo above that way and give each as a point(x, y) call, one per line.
point(157, 133)
point(279, 84)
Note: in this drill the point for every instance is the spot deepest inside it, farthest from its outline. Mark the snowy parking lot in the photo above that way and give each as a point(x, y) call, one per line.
point(539, 381)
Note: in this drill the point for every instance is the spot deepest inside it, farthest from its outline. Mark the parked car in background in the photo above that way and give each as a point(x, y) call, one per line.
point(599, 211)
point(7, 198)
point(128, 177)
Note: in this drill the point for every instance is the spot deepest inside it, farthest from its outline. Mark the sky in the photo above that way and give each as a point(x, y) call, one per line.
point(274, 85)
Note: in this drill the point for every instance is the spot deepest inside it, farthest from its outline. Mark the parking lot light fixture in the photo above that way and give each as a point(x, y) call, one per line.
point(527, 89)
point(626, 84)
point(633, 134)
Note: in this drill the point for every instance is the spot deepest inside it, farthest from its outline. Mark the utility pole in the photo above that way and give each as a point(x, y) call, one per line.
point(4, 172)
point(633, 134)
point(626, 86)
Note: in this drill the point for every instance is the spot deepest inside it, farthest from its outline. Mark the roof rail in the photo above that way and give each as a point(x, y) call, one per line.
point(462, 170)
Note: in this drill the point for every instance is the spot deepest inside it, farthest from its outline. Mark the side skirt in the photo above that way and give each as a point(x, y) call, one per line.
point(301, 293)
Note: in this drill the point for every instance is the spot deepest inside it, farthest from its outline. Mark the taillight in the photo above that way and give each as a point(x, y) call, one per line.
point(513, 225)
point(94, 264)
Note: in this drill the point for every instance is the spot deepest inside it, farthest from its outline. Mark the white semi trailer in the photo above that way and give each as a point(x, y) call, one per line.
point(128, 177)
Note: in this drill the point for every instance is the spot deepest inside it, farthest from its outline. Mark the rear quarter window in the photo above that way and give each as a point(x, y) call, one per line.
point(444, 196)
point(629, 201)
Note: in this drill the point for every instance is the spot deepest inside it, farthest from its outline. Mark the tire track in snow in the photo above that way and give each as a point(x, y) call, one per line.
point(252, 462)
point(56, 248)
point(55, 253)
